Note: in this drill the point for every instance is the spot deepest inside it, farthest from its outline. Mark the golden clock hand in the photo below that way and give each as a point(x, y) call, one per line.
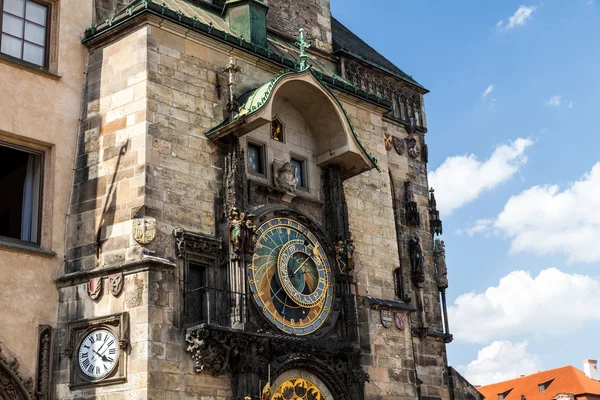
point(301, 265)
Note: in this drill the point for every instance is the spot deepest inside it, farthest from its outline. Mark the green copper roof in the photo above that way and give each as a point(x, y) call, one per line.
point(254, 100)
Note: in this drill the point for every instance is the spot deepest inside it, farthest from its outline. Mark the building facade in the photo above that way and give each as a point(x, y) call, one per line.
point(248, 214)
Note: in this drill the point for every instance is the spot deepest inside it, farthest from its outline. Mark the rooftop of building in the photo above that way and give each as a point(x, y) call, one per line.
point(204, 17)
point(564, 380)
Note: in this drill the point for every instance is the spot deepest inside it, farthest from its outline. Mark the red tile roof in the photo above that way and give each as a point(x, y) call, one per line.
point(564, 380)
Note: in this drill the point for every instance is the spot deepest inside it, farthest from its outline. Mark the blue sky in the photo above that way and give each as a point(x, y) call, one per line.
point(513, 136)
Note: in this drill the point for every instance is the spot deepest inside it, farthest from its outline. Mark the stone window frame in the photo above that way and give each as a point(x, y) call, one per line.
point(263, 147)
point(46, 151)
point(305, 173)
point(52, 38)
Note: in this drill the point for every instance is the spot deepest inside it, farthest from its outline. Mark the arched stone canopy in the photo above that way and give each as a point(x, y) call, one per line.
point(12, 385)
point(332, 131)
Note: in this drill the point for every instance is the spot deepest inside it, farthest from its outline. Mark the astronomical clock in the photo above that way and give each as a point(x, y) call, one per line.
point(290, 277)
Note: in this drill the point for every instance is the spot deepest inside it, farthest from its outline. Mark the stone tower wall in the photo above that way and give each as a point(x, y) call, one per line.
point(288, 16)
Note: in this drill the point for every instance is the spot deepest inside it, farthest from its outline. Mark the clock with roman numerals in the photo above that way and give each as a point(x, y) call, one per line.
point(97, 348)
point(290, 277)
point(98, 354)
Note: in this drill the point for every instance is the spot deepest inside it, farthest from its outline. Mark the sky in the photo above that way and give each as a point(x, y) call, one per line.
point(514, 156)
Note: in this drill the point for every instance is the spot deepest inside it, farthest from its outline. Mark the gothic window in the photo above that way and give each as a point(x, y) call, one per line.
point(398, 283)
point(25, 33)
point(21, 186)
point(403, 110)
point(300, 165)
point(256, 158)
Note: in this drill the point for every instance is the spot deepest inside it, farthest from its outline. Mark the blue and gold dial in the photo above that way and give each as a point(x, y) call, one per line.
point(290, 277)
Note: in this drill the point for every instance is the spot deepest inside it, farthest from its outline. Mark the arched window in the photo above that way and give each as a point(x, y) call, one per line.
point(402, 105)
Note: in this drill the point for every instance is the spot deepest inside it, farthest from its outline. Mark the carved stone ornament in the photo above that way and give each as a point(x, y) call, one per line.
point(43, 376)
point(414, 150)
point(386, 318)
point(285, 177)
point(399, 145)
point(13, 384)
point(144, 230)
point(115, 284)
point(387, 140)
point(248, 356)
point(400, 319)
point(435, 223)
point(426, 305)
point(189, 242)
point(94, 288)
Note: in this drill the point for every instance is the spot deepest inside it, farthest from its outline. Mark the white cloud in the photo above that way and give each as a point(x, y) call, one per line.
point(554, 101)
point(570, 104)
point(487, 92)
point(546, 220)
point(480, 226)
point(500, 361)
point(461, 179)
point(553, 302)
point(520, 17)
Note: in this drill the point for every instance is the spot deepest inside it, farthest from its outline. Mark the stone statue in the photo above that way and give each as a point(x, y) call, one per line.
point(236, 220)
point(250, 234)
point(350, 253)
point(285, 178)
point(417, 262)
point(344, 254)
point(439, 255)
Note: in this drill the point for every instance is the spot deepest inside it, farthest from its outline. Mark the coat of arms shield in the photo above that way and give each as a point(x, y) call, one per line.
point(144, 230)
point(399, 145)
point(386, 318)
point(387, 139)
point(94, 288)
point(115, 284)
point(399, 319)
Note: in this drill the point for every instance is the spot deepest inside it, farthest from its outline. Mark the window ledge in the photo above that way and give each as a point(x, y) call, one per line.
point(35, 69)
point(24, 247)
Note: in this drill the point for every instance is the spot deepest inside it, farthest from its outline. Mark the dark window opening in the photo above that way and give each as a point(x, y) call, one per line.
point(20, 180)
point(300, 172)
point(398, 283)
point(544, 386)
point(25, 34)
point(256, 158)
point(195, 296)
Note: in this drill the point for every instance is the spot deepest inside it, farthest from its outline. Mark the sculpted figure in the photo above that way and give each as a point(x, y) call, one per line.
point(250, 234)
point(439, 254)
point(350, 253)
point(417, 262)
point(236, 220)
point(286, 178)
point(340, 255)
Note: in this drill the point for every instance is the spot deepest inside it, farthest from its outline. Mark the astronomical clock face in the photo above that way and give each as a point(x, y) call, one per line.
point(290, 277)
point(98, 354)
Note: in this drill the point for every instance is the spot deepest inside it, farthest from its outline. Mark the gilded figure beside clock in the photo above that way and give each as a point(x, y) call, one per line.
point(290, 277)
